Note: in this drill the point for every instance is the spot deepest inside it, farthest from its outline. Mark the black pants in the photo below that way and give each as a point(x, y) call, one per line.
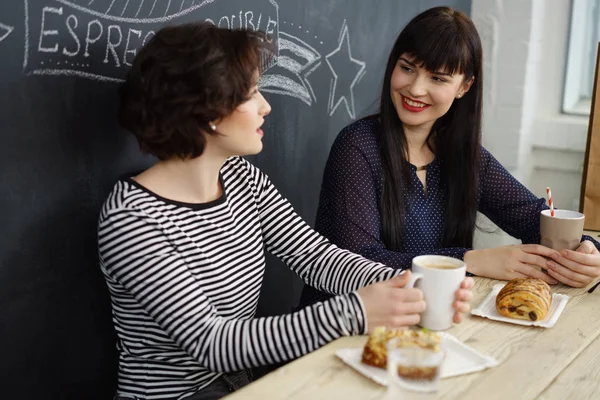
point(220, 387)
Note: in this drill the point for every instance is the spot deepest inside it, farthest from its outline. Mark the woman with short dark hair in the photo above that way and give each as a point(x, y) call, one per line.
point(182, 244)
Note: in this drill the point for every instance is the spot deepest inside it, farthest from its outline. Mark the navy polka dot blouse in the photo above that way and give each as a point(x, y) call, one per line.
point(348, 213)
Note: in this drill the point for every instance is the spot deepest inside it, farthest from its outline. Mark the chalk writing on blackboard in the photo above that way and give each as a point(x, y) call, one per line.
point(63, 35)
point(95, 40)
point(5, 30)
point(347, 72)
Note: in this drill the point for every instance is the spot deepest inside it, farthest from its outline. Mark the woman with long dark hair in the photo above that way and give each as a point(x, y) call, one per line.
point(410, 180)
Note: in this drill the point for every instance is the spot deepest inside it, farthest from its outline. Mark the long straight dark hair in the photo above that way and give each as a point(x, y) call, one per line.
point(440, 38)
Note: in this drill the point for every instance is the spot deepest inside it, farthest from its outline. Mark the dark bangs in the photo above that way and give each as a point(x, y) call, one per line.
point(438, 44)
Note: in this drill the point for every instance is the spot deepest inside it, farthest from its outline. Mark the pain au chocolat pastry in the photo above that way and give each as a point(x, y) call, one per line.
point(375, 351)
point(524, 298)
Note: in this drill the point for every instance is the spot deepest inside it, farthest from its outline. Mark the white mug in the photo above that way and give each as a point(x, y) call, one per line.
point(438, 277)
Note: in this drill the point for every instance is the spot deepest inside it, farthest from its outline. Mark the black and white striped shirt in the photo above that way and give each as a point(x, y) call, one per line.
point(185, 278)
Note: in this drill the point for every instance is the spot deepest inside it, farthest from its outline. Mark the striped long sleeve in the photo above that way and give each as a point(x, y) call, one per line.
point(316, 260)
point(185, 279)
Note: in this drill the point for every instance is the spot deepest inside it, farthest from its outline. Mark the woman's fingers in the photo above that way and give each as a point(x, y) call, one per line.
point(533, 259)
point(409, 307)
point(574, 277)
point(533, 272)
point(538, 249)
point(405, 320)
point(587, 247)
point(574, 267)
point(567, 281)
point(467, 283)
point(463, 295)
point(457, 318)
point(577, 257)
point(461, 307)
point(463, 298)
point(407, 295)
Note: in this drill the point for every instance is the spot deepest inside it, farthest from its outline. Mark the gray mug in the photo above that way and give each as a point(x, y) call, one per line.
point(563, 231)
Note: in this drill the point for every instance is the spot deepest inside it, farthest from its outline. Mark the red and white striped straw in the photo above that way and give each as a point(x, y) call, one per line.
point(550, 203)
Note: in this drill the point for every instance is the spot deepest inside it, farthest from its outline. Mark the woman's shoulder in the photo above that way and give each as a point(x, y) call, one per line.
point(239, 167)
point(126, 195)
point(490, 165)
point(360, 134)
point(238, 171)
point(485, 152)
point(486, 156)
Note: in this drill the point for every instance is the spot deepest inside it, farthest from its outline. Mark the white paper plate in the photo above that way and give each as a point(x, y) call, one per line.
point(460, 359)
point(487, 309)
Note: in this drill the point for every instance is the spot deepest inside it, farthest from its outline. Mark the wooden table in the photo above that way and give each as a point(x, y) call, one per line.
point(562, 362)
point(594, 234)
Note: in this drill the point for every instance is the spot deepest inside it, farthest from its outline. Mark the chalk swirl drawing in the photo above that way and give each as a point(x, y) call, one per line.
point(289, 76)
point(98, 40)
point(5, 30)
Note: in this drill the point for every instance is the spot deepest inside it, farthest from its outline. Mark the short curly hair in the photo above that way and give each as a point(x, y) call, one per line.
point(185, 77)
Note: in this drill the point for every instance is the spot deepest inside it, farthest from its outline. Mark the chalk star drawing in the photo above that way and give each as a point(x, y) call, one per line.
point(289, 76)
point(5, 30)
point(347, 72)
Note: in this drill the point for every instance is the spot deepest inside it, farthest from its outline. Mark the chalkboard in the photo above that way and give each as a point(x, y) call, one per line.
point(61, 151)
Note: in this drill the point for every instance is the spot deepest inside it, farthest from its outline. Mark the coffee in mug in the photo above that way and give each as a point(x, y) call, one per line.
point(438, 277)
point(441, 266)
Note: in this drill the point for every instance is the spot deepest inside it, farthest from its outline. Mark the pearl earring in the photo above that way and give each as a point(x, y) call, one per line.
point(213, 127)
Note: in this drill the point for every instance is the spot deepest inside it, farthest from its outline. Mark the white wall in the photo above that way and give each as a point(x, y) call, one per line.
point(559, 140)
point(525, 52)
